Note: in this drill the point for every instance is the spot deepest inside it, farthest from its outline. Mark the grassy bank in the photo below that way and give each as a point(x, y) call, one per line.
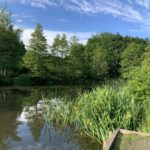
point(100, 111)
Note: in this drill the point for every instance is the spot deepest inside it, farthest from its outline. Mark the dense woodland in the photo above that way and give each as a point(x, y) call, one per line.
point(67, 61)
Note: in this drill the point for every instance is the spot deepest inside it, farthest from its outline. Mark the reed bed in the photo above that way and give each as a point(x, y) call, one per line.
point(99, 112)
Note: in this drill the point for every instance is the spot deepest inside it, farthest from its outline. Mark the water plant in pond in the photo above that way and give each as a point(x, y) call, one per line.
point(98, 112)
point(57, 111)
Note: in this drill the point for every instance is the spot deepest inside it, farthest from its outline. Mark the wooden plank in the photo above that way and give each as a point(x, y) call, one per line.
point(126, 132)
point(107, 145)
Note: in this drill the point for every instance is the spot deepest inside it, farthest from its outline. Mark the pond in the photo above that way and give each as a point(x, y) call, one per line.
point(22, 126)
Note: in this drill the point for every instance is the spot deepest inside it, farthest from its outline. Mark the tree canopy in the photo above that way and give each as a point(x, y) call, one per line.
point(37, 51)
point(11, 47)
point(68, 61)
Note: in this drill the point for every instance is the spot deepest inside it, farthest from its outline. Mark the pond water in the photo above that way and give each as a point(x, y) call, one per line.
point(22, 126)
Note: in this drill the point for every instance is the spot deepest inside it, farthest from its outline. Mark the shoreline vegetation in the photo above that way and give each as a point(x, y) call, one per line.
point(101, 111)
point(105, 57)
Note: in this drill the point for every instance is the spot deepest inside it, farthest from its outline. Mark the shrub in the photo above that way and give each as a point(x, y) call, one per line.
point(140, 78)
point(145, 126)
point(6, 80)
point(23, 79)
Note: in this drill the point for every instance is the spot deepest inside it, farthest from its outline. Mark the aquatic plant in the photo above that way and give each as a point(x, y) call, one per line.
point(105, 109)
point(57, 111)
point(98, 112)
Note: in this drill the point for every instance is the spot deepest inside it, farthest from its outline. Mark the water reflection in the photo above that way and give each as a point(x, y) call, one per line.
point(8, 129)
point(22, 126)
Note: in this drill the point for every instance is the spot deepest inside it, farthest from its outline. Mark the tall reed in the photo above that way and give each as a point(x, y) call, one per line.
point(98, 112)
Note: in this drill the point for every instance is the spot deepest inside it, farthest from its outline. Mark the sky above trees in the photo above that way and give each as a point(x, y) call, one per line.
point(81, 17)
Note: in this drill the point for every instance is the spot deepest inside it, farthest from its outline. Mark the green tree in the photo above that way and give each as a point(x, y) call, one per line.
point(54, 67)
point(60, 46)
point(139, 82)
point(5, 17)
point(11, 47)
point(76, 58)
point(36, 53)
point(100, 63)
point(107, 46)
point(131, 58)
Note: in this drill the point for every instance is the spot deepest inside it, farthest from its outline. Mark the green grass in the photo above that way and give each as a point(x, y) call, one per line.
point(145, 127)
point(97, 113)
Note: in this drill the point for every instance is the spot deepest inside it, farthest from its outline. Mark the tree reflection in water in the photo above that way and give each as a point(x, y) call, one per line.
point(22, 126)
point(8, 129)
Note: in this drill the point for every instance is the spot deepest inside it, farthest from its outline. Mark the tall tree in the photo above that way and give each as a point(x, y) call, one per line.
point(140, 78)
point(131, 58)
point(36, 53)
point(60, 46)
point(112, 45)
point(100, 63)
point(11, 47)
point(5, 17)
point(76, 58)
point(56, 45)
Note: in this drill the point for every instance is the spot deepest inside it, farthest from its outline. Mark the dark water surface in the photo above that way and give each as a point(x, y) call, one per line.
point(22, 126)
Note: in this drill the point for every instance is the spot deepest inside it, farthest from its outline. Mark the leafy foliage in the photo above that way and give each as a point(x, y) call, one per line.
point(131, 58)
point(60, 46)
point(140, 78)
point(37, 51)
point(11, 47)
point(67, 61)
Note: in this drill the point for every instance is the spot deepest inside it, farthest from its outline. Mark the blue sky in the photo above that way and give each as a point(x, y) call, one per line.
point(81, 17)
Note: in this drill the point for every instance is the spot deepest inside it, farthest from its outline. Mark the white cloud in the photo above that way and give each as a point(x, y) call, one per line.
point(116, 8)
point(22, 17)
point(19, 21)
point(50, 35)
point(136, 11)
point(112, 7)
point(136, 30)
point(37, 3)
point(143, 3)
point(63, 20)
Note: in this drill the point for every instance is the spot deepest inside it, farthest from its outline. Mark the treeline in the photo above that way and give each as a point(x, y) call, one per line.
point(105, 56)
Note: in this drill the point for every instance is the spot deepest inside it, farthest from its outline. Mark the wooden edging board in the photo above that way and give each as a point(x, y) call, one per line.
point(112, 136)
point(107, 144)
